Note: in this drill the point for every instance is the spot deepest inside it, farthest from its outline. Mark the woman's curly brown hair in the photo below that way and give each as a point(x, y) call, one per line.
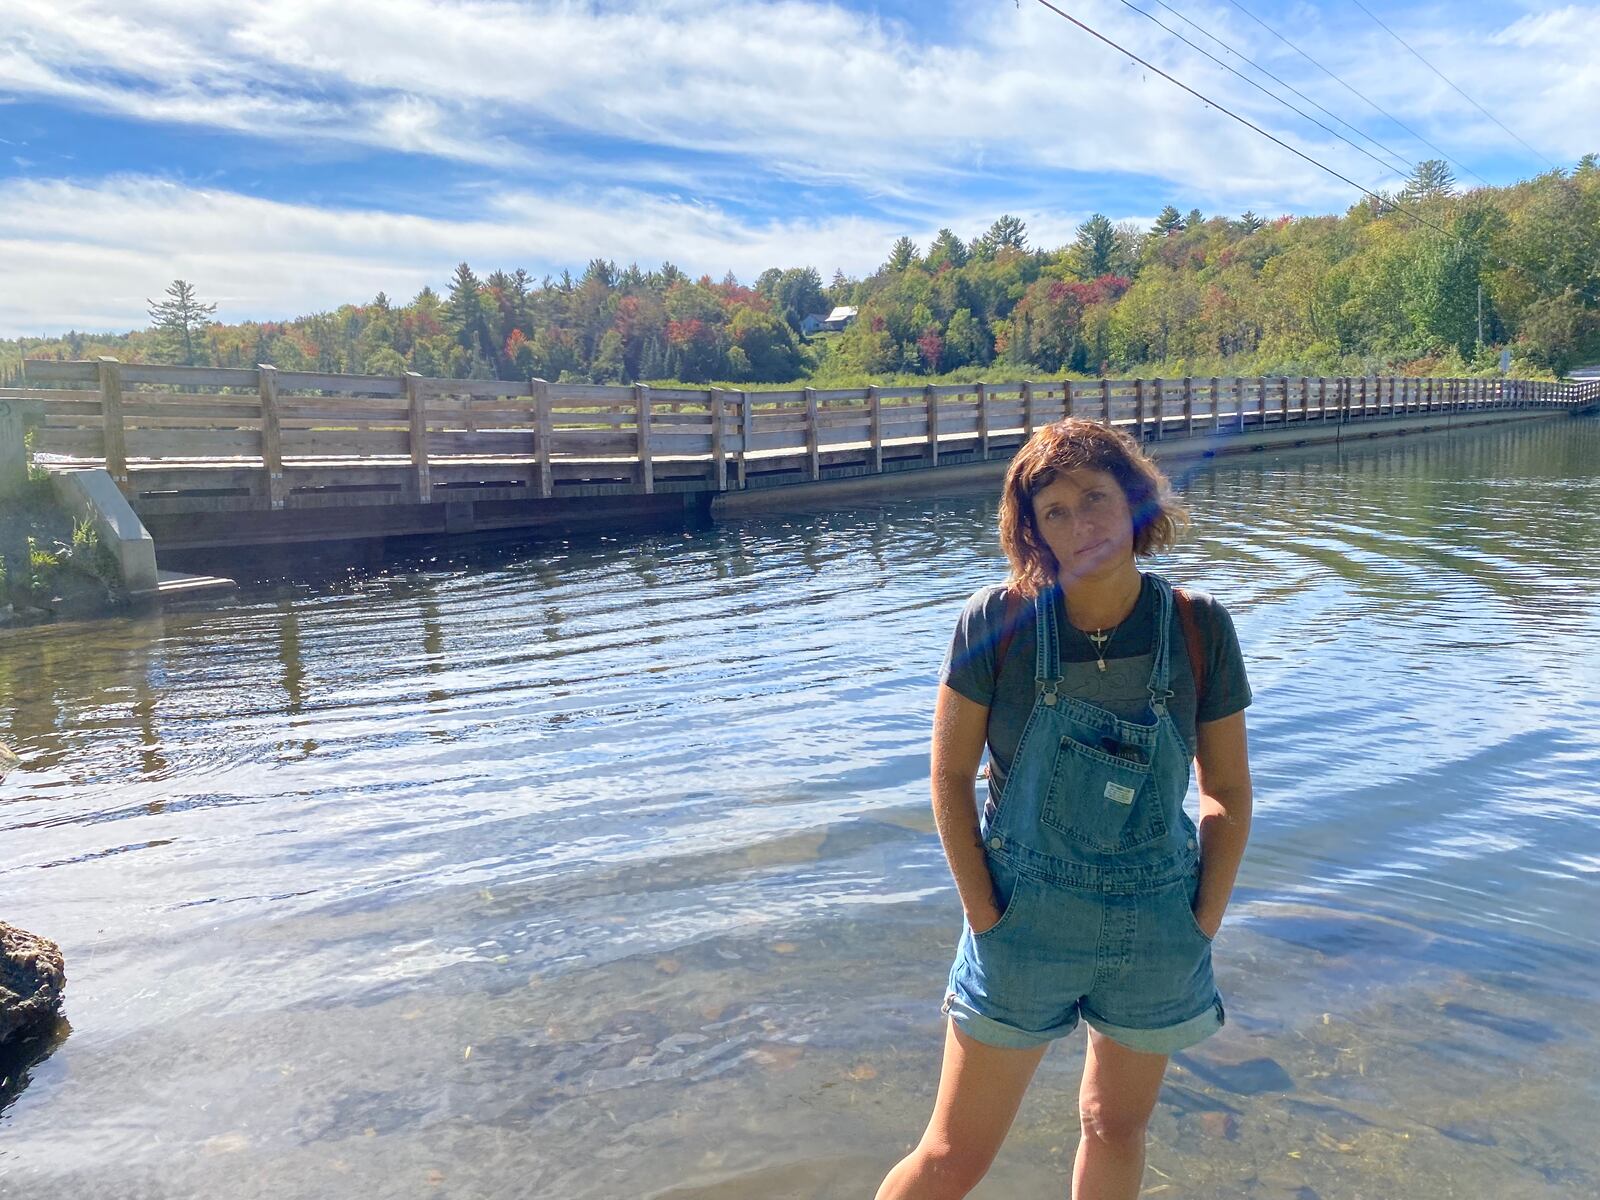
point(1159, 518)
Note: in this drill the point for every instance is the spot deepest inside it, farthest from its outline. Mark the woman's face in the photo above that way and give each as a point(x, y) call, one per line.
point(1084, 518)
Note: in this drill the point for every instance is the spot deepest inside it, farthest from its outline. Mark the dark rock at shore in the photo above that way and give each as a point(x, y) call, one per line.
point(32, 978)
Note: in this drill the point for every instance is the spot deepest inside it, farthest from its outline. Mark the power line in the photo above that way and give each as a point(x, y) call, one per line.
point(1265, 92)
point(1245, 121)
point(1446, 78)
point(1407, 164)
point(1362, 95)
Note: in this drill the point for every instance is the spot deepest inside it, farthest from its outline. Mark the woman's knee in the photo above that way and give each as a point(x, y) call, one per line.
point(952, 1170)
point(1112, 1126)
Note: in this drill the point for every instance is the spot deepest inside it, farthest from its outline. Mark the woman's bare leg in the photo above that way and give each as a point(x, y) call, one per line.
point(1116, 1099)
point(980, 1090)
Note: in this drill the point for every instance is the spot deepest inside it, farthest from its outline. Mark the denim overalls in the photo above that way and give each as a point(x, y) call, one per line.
point(1096, 867)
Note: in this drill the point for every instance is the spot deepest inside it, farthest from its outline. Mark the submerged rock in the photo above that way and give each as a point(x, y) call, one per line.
point(32, 978)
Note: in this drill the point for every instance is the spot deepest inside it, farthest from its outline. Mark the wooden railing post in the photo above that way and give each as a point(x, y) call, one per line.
point(543, 433)
point(875, 428)
point(931, 399)
point(747, 420)
point(1105, 402)
point(1188, 406)
point(1216, 395)
point(1305, 398)
point(647, 464)
point(1160, 414)
point(719, 459)
point(1138, 410)
point(416, 402)
point(983, 421)
point(1027, 407)
point(813, 457)
point(1284, 401)
point(1068, 408)
point(115, 434)
point(271, 435)
point(1261, 401)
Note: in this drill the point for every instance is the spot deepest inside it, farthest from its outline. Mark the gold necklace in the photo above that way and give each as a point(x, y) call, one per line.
point(1100, 639)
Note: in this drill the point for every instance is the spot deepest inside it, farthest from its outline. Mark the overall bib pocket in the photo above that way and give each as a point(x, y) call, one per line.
point(1106, 801)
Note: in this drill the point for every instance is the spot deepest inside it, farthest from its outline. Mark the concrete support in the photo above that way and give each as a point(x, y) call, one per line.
point(92, 495)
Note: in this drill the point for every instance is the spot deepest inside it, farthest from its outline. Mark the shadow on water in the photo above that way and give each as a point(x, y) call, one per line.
point(20, 1056)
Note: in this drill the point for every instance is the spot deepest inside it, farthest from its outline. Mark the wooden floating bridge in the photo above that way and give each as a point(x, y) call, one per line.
point(213, 457)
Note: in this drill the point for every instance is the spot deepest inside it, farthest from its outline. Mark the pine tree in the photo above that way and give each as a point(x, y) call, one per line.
point(947, 248)
point(1095, 247)
point(1249, 222)
point(1431, 180)
point(179, 319)
point(1008, 231)
point(903, 256)
point(1169, 221)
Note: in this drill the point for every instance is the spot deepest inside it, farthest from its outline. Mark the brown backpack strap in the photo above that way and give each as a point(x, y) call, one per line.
point(1008, 628)
point(1191, 637)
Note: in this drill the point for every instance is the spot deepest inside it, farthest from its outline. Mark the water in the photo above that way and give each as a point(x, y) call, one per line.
point(605, 869)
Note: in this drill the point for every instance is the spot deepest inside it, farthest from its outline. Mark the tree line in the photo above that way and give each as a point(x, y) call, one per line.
point(1374, 290)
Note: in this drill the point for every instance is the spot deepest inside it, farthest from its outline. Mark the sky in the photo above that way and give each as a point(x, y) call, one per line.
point(288, 156)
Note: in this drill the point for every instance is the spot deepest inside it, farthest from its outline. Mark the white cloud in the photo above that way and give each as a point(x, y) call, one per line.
point(90, 257)
point(808, 90)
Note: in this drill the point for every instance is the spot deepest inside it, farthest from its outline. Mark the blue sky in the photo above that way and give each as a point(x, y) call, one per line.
point(290, 155)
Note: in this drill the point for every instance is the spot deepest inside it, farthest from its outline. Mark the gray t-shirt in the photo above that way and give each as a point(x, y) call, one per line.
point(1121, 687)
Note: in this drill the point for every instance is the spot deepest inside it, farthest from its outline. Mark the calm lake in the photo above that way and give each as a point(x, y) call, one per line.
point(605, 868)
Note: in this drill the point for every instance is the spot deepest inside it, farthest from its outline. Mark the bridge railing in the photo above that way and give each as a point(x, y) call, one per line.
point(283, 433)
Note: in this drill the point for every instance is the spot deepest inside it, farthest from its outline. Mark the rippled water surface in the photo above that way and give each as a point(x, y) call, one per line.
point(605, 868)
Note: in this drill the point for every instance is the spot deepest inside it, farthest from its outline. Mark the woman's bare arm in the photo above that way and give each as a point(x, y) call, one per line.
point(1222, 766)
point(960, 728)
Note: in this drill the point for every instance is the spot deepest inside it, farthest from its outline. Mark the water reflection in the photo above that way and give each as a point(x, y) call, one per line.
point(604, 867)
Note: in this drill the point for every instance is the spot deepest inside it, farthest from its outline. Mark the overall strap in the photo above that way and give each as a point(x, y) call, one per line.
point(1047, 662)
point(1191, 637)
point(1161, 668)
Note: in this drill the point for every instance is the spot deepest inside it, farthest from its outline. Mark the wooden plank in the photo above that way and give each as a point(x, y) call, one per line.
point(813, 463)
point(234, 377)
point(192, 443)
point(875, 428)
point(983, 422)
point(741, 418)
point(615, 393)
point(45, 370)
point(477, 389)
point(647, 470)
point(112, 429)
point(366, 385)
point(79, 443)
point(698, 444)
point(355, 443)
point(184, 400)
point(543, 432)
point(567, 444)
point(416, 399)
point(484, 443)
point(719, 452)
point(271, 436)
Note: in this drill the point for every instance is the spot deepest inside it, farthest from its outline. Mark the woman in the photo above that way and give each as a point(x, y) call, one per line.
point(1087, 890)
